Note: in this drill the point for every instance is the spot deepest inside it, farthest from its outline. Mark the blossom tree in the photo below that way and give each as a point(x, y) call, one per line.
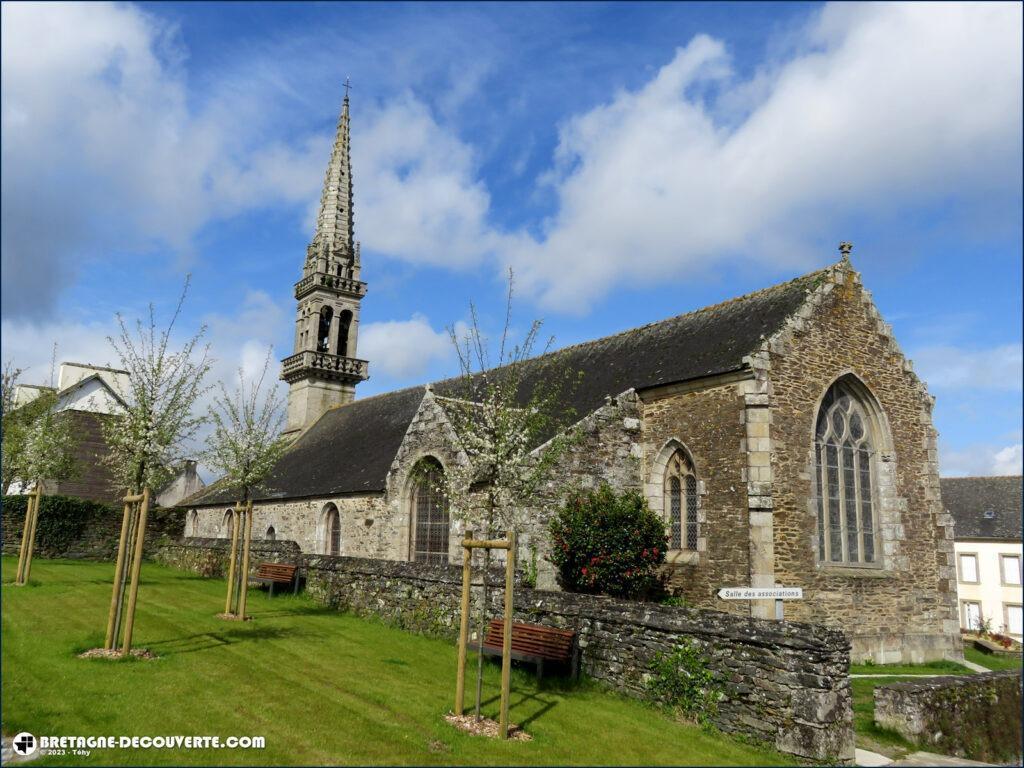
point(245, 444)
point(47, 452)
point(149, 439)
point(513, 424)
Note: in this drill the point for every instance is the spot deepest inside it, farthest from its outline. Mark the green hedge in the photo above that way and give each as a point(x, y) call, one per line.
point(79, 528)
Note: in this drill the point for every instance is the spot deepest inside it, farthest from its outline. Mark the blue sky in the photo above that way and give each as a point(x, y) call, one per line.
point(630, 162)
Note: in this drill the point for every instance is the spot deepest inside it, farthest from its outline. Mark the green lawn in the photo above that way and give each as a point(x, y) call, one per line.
point(991, 660)
point(320, 686)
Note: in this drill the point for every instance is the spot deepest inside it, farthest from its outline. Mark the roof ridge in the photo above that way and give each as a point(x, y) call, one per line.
point(708, 308)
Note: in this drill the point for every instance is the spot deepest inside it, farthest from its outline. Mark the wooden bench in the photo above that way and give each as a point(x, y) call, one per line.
point(277, 573)
point(534, 643)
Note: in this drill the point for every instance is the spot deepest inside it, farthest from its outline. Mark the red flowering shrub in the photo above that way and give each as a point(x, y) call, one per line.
point(603, 542)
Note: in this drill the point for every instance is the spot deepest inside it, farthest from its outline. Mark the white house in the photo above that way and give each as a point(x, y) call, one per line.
point(989, 552)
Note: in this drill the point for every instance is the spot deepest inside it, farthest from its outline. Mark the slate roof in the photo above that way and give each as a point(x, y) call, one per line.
point(968, 498)
point(350, 448)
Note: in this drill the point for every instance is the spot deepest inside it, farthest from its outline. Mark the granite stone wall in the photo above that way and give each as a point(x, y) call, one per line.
point(977, 717)
point(209, 557)
point(783, 683)
point(904, 610)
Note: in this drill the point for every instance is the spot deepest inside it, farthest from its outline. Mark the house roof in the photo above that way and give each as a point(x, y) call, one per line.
point(968, 499)
point(350, 448)
point(93, 377)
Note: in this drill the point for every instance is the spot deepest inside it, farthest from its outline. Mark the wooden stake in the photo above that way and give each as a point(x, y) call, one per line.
point(20, 578)
point(133, 590)
point(506, 640)
point(117, 594)
point(245, 561)
point(460, 678)
point(228, 604)
point(32, 533)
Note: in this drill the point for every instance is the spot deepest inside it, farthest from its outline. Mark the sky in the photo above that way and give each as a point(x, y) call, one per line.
point(628, 162)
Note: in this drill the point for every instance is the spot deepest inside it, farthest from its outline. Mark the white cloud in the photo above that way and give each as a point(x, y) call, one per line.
point(982, 460)
point(949, 367)
point(417, 197)
point(885, 106)
point(102, 151)
point(403, 348)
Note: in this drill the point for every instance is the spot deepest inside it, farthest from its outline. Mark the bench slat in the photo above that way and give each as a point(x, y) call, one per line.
point(534, 640)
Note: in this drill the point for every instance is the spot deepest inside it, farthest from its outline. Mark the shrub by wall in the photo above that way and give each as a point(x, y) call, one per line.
point(976, 717)
point(75, 528)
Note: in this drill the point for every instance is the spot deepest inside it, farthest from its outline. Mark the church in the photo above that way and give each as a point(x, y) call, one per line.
point(782, 436)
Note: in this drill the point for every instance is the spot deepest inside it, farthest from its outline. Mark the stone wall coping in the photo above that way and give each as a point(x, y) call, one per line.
point(950, 681)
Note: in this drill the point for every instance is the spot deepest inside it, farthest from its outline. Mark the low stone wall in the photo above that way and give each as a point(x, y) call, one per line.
point(783, 683)
point(786, 684)
point(92, 533)
point(209, 557)
point(976, 717)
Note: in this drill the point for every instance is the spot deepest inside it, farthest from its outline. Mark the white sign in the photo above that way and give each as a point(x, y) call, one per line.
point(761, 593)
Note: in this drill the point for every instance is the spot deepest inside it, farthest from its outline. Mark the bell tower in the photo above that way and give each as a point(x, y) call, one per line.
point(324, 370)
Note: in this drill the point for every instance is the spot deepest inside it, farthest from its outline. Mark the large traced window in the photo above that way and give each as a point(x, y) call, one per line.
point(681, 502)
point(429, 514)
point(844, 449)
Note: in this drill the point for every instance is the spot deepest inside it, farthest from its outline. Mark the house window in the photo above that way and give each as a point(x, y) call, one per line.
point(429, 514)
point(1014, 615)
point(1010, 569)
point(968, 569)
point(971, 615)
point(271, 534)
point(681, 502)
point(844, 451)
point(332, 530)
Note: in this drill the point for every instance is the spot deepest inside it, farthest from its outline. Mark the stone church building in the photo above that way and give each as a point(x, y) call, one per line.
point(782, 436)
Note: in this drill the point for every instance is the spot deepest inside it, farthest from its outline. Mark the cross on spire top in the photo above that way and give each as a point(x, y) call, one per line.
point(348, 86)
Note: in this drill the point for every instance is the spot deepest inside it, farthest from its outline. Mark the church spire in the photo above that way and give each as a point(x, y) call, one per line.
point(334, 231)
point(323, 371)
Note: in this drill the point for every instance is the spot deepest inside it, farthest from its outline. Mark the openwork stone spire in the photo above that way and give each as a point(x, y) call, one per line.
point(334, 232)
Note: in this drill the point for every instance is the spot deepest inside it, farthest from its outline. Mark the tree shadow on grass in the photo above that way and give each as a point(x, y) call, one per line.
point(205, 641)
point(518, 700)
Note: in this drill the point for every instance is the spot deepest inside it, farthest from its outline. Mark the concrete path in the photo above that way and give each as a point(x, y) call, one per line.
point(932, 759)
point(868, 758)
point(974, 667)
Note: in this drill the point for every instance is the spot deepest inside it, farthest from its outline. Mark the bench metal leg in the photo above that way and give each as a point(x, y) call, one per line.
point(295, 589)
point(271, 589)
point(540, 669)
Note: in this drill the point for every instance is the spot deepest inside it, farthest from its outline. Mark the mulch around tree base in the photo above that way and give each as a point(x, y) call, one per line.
point(485, 727)
point(231, 617)
point(109, 653)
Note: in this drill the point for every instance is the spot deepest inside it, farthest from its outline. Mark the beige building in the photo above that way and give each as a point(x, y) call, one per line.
point(782, 436)
point(989, 552)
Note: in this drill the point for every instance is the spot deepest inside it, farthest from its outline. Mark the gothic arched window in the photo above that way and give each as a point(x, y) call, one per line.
point(344, 323)
point(271, 534)
point(193, 523)
point(429, 513)
point(323, 333)
point(845, 453)
point(332, 530)
point(226, 525)
point(681, 502)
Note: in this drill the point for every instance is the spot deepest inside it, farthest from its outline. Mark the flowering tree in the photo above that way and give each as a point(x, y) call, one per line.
point(149, 438)
point(244, 447)
point(16, 426)
point(507, 407)
point(44, 443)
point(148, 441)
